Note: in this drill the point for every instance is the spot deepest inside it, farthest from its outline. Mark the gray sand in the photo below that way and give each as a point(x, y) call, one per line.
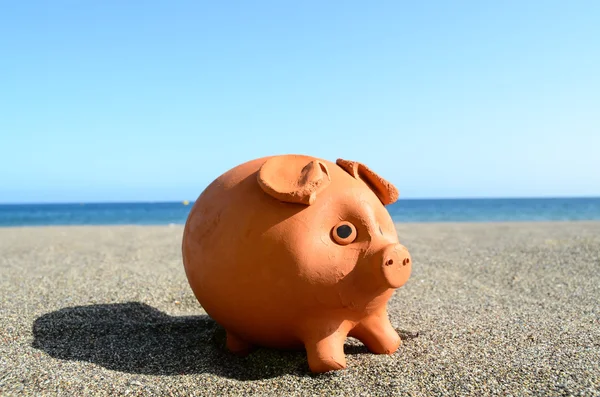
point(491, 309)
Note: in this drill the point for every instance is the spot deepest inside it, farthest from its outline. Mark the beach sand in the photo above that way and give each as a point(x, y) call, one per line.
point(490, 309)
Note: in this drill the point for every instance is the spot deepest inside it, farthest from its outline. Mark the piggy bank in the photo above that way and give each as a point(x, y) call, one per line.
point(296, 252)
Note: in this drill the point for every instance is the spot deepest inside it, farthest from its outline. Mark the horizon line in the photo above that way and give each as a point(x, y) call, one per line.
point(191, 202)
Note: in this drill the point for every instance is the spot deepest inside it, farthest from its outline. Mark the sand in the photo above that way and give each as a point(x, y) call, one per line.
point(490, 309)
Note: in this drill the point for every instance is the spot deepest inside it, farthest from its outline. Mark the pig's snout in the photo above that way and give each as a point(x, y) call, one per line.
point(396, 265)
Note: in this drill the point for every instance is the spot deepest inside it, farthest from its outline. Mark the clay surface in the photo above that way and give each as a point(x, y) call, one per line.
point(296, 252)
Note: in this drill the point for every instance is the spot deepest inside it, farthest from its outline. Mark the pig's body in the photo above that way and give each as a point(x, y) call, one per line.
point(261, 258)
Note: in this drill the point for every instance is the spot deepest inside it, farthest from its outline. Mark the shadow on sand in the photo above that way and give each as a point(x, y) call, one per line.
point(137, 338)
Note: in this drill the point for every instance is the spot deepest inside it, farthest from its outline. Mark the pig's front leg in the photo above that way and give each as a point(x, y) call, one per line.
point(237, 345)
point(325, 350)
point(377, 333)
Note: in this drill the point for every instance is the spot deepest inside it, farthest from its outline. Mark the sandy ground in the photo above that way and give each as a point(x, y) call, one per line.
point(490, 309)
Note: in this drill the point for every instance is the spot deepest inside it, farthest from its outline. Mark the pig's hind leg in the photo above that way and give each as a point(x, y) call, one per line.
point(377, 334)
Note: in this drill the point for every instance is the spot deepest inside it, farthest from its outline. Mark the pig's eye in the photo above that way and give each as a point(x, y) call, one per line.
point(344, 233)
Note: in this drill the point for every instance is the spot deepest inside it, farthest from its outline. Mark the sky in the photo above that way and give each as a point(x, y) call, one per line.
point(152, 100)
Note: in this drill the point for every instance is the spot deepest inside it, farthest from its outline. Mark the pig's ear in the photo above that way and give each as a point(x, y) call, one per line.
point(386, 192)
point(293, 179)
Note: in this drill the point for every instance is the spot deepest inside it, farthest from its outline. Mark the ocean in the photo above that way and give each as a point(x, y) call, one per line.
point(404, 210)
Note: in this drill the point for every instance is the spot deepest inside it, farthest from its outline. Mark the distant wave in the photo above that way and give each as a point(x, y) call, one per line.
point(175, 213)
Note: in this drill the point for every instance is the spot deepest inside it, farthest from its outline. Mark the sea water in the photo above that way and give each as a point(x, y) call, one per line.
point(404, 210)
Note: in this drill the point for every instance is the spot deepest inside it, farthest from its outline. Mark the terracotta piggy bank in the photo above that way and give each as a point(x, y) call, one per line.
point(296, 252)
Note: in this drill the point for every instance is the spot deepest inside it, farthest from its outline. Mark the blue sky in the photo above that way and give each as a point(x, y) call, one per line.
point(148, 100)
